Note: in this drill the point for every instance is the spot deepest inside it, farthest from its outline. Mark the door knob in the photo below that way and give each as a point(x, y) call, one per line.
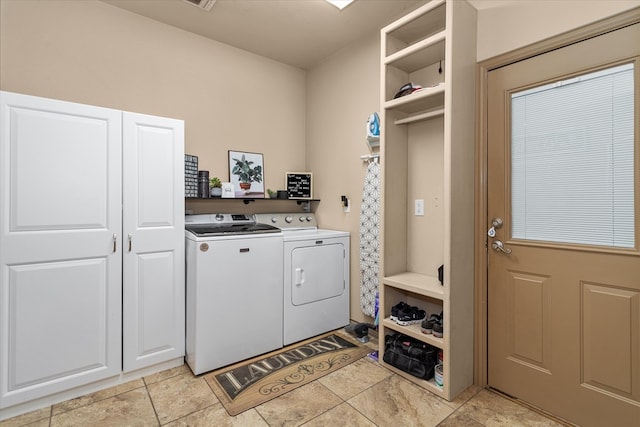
point(498, 246)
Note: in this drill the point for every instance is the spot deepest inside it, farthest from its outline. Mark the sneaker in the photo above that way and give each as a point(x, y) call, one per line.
point(427, 325)
point(438, 330)
point(438, 327)
point(412, 316)
point(397, 309)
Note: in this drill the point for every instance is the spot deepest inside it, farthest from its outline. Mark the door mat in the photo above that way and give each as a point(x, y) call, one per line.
point(252, 382)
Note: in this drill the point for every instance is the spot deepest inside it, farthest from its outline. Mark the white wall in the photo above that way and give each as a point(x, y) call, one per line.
point(517, 24)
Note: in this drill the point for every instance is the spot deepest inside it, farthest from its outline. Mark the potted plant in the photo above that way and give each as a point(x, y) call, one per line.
point(246, 173)
point(272, 194)
point(216, 186)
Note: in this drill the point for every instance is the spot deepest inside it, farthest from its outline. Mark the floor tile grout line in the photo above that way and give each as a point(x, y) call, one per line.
point(187, 415)
point(361, 413)
point(452, 415)
point(153, 406)
point(329, 409)
point(193, 412)
point(51, 414)
point(530, 407)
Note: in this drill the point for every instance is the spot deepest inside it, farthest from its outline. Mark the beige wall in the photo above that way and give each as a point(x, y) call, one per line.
point(515, 25)
point(90, 52)
point(93, 53)
point(341, 94)
point(343, 91)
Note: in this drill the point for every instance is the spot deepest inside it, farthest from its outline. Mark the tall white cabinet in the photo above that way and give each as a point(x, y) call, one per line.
point(427, 151)
point(91, 244)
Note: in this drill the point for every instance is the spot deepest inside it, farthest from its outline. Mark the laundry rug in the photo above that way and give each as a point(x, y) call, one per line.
point(252, 382)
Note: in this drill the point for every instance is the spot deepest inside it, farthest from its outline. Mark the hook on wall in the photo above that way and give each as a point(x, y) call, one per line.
point(440, 68)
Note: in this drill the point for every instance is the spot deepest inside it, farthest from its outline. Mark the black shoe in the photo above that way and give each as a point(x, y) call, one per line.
point(412, 316)
point(427, 325)
point(397, 309)
point(438, 330)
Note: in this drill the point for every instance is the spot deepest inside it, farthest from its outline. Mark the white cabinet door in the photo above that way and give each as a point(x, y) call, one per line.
point(153, 215)
point(60, 246)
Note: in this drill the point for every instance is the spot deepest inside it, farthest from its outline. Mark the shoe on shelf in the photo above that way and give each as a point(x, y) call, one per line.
point(397, 309)
point(438, 330)
point(412, 316)
point(427, 325)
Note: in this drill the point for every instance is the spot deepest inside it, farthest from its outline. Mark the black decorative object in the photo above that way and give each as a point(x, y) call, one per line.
point(190, 175)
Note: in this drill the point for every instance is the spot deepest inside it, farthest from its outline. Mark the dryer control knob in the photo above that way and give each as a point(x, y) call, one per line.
point(288, 219)
point(219, 217)
point(301, 219)
point(274, 219)
point(309, 219)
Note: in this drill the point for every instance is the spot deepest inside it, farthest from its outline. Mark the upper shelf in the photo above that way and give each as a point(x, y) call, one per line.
point(419, 55)
point(425, 99)
point(415, 26)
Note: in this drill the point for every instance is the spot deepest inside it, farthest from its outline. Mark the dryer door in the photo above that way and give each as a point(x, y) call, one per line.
point(317, 273)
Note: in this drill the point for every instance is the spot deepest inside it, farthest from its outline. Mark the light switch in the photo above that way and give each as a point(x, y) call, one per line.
point(419, 207)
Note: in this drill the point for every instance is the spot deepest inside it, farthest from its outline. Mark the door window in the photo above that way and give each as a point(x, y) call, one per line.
point(572, 153)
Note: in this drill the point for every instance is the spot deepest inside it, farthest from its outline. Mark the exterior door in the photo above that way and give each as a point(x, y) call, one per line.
point(153, 253)
point(60, 252)
point(564, 251)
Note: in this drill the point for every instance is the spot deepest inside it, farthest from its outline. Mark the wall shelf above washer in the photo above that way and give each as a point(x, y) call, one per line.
point(266, 205)
point(248, 200)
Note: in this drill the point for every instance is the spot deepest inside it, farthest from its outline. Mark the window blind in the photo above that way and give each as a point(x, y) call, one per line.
point(572, 160)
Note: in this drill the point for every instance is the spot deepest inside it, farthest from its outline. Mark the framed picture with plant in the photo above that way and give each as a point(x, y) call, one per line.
point(246, 173)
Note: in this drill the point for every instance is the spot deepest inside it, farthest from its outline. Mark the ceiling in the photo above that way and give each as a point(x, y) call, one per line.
point(300, 33)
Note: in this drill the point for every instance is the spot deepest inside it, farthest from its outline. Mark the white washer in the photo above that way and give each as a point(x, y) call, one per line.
point(316, 276)
point(234, 290)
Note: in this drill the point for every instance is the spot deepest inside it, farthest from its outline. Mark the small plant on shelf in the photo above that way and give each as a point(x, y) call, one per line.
point(215, 182)
point(216, 186)
point(272, 194)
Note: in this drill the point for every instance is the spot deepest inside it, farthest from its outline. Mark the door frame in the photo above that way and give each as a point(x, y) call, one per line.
point(482, 69)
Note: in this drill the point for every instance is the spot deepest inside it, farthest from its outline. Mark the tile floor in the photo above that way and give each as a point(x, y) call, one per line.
point(360, 394)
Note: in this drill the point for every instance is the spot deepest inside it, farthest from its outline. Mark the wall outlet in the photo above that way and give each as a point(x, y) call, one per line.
point(419, 207)
point(346, 204)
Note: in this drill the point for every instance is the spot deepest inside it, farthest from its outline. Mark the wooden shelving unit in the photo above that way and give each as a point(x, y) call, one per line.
point(427, 153)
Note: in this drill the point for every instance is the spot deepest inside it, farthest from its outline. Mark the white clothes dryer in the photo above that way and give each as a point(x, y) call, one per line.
point(316, 276)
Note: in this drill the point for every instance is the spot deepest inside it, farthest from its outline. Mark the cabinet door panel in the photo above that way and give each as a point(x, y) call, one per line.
point(153, 215)
point(154, 300)
point(60, 272)
point(51, 335)
point(74, 189)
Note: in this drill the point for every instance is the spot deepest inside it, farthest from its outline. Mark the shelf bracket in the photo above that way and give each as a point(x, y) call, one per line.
point(306, 205)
